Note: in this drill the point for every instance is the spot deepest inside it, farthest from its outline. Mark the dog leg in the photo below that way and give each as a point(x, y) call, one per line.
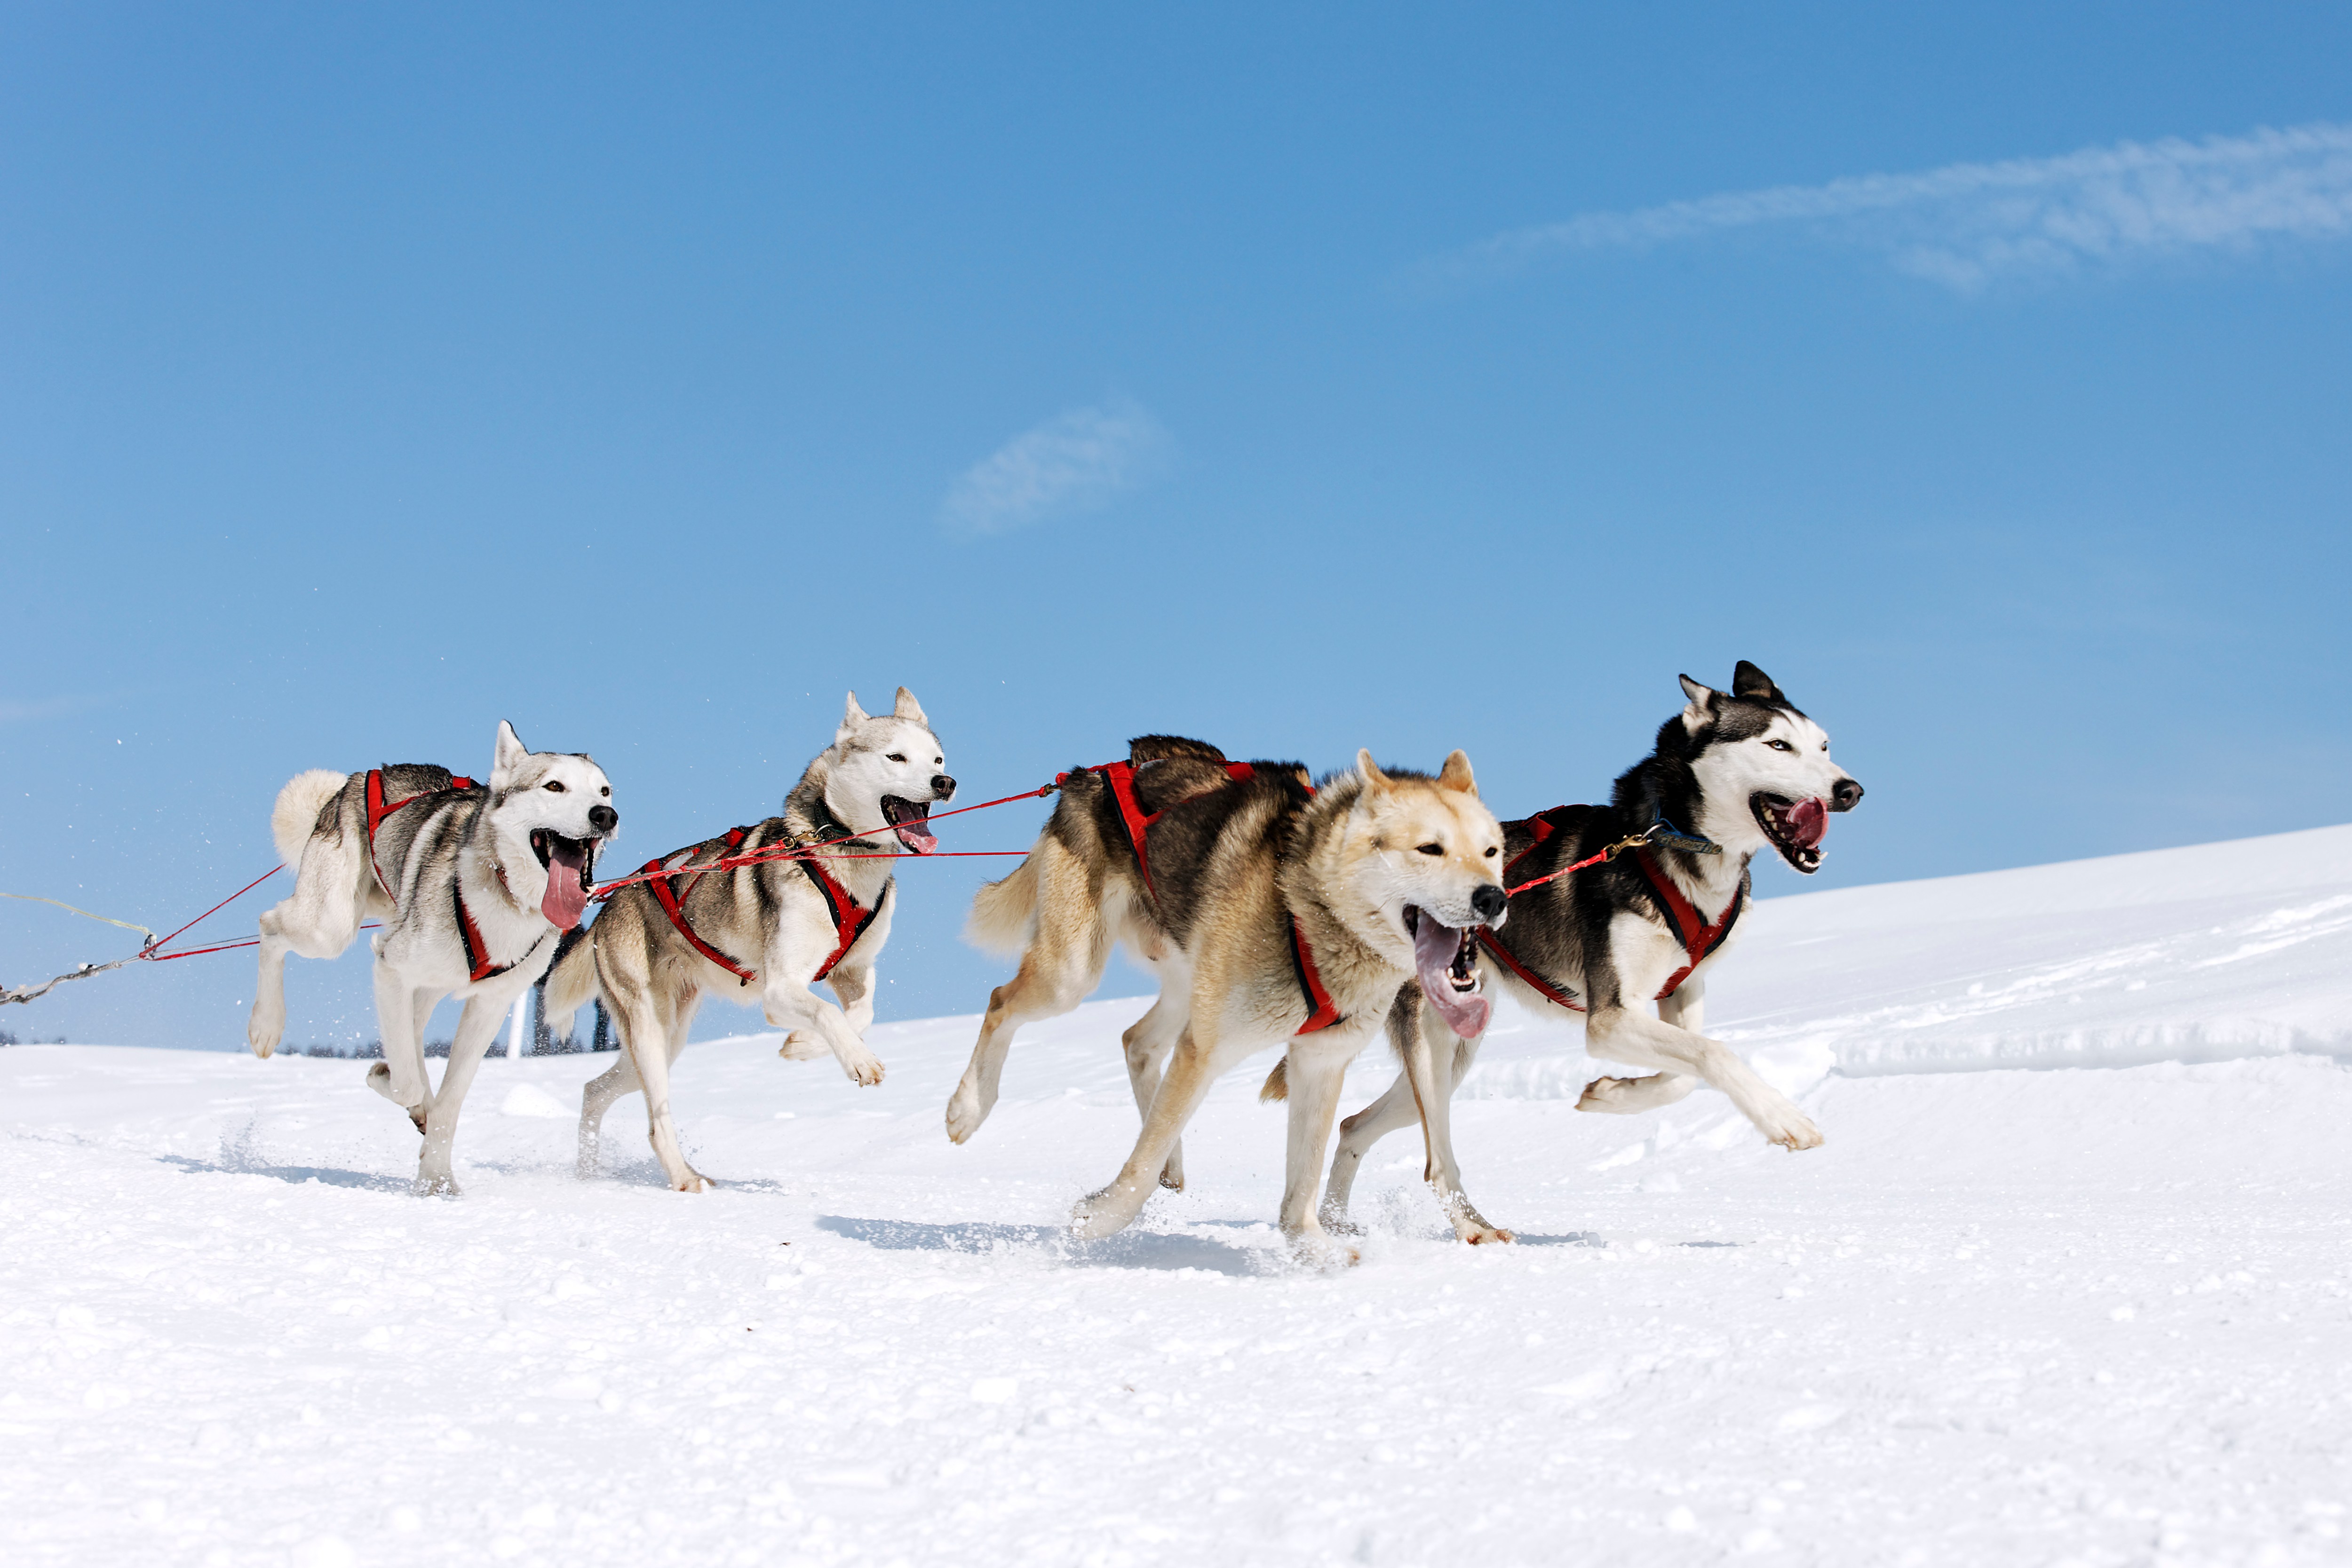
point(1064, 963)
point(1147, 1044)
point(477, 1027)
point(855, 989)
point(316, 921)
point(400, 1076)
point(616, 1080)
point(645, 1037)
point(1631, 1095)
point(1315, 1074)
point(795, 1008)
point(1433, 1070)
point(1624, 1035)
point(1194, 1067)
point(267, 1026)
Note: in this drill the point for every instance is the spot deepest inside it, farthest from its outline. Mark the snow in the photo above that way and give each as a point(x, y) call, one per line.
point(2069, 1284)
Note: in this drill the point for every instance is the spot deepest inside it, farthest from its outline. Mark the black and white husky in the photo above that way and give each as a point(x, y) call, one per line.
point(474, 883)
point(1733, 774)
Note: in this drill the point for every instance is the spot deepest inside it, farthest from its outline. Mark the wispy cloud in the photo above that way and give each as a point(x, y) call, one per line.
point(1072, 462)
point(1968, 224)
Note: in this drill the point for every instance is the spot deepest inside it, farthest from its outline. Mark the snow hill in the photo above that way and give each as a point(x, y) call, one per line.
point(2070, 1284)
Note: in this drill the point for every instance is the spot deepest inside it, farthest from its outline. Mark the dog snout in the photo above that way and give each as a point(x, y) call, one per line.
point(1845, 796)
point(603, 818)
point(1488, 904)
point(942, 787)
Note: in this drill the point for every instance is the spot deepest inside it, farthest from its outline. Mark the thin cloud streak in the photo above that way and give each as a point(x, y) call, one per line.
point(1074, 462)
point(1968, 224)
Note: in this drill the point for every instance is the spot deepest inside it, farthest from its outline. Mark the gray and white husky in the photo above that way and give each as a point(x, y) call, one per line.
point(764, 933)
point(1742, 771)
point(473, 884)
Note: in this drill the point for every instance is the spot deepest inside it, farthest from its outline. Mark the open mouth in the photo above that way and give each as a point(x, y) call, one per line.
point(1795, 828)
point(1443, 959)
point(910, 820)
point(568, 863)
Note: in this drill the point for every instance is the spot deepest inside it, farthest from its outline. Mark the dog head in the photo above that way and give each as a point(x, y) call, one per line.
point(886, 771)
point(550, 811)
point(1429, 855)
point(1763, 769)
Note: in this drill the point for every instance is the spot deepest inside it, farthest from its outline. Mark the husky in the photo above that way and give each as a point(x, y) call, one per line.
point(765, 932)
point(473, 884)
point(1278, 913)
point(1743, 772)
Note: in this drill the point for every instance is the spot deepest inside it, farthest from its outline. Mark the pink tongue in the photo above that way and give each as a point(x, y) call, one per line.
point(917, 836)
point(565, 899)
point(1807, 821)
point(1434, 947)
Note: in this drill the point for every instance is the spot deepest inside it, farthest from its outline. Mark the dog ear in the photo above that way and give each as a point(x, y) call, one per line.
point(852, 716)
point(1701, 711)
point(1370, 771)
point(1750, 681)
point(908, 707)
point(509, 757)
point(1455, 773)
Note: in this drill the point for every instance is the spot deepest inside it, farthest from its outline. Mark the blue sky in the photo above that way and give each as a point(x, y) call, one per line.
point(1299, 377)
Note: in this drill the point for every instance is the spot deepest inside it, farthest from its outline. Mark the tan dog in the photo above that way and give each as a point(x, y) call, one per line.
point(1291, 917)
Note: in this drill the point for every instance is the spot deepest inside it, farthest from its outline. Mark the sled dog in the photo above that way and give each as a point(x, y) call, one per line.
point(1095, 825)
point(763, 933)
point(1737, 773)
point(472, 883)
point(1291, 915)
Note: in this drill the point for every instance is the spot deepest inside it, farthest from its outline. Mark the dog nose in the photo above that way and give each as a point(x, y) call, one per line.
point(603, 818)
point(942, 787)
point(1487, 903)
point(1845, 796)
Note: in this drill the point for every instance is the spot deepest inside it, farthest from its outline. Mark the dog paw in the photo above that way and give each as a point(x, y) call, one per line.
point(1338, 1222)
point(800, 1046)
point(440, 1185)
point(1794, 1131)
point(692, 1181)
point(1317, 1250)
point(1481, 1233)
point(1610, 1096)
point(965, 1113)
point(264, 1032)
point(865, 1068)
point(1097, 1215)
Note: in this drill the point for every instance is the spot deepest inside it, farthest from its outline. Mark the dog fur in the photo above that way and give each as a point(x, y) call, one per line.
point(1728, 767)
point(1361, 863)
point(486, 845)
point(768, 917)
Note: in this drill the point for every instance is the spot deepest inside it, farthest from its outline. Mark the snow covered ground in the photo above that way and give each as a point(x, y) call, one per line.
point(2069, 1284)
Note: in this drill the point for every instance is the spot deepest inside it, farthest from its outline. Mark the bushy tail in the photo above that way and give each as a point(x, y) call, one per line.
point(1004, 914)
point(296, 815)
point(1277, 1083)
point(571, 986)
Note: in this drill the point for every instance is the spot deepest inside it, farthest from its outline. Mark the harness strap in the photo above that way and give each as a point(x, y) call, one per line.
point(1120, 776)
point(1699, 939)
point(1541, 827)
point(1321, 1012)
point(377, 810)
point(849, 921)
point(478, 953)
point(666, 894)
point(1556, 994)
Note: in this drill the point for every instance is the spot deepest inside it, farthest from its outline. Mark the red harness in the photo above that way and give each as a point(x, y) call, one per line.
point(477, 952)
point(1120, 776)
point(849, 920)
point(1321, 1013)
point(377, 811)
point(1699, 939)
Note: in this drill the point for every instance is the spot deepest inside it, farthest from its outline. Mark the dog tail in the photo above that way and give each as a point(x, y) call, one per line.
point(296, 815)
point(1277, 1083)
point(1004, 913)
point(572, 984)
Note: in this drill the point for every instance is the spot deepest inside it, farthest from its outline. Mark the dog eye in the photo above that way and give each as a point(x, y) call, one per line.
point(1492, 852)
point(1781, 746)
point(606, 791)
point(898, 756)
point(1431, 849)
point(554, 786)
